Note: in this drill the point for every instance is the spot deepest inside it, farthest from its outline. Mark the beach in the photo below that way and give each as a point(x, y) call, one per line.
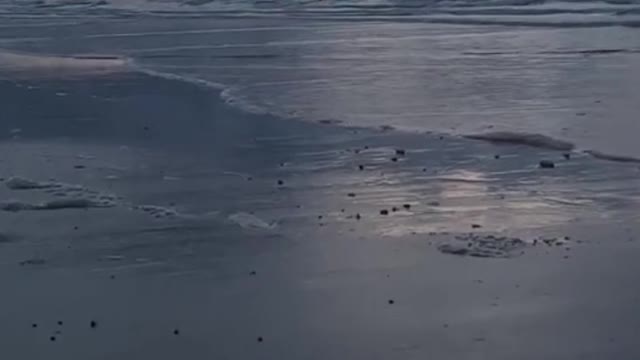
point(170, 191)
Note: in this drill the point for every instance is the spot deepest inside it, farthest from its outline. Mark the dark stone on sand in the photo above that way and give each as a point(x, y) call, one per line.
point(361, 167)
point(476, 226)
point(581, 114)
point(358, 217)
point(547, 164)
point(260, 339)
point(93, 324)
point(400, 152)
point(407, 206)
point(60, 322)
point(424, 169)
point(567, 156)
point(280, 182)
point(384, 212)
point(249, 178)
point(496, 156)
point(394, 209)
point(391, 302)
point(176, 332)
point(34, 325)
point(75, 228)
point(319, 216)
point(53, 338)
point(253, 272)
point(351, 195)
point(394, 159)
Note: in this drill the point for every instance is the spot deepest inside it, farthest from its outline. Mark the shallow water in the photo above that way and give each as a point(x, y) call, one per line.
point(574, 82)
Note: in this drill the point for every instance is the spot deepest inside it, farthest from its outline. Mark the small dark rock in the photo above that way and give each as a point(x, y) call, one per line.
point(260, 339)
point(351, 195)
point(391, 302)
point(75, 228)
point(319, 216)
point(567, 156)
point(176, 332)
point(34, 325)
point(394, 159)
point(358, 217)
point(547, 164)
point(496, 156)
point(407, 206)
point(581, 114)
point(60, 323)
point(249, 178)
point(253, 272)
point(424, 169)
point(93, 324)
point(394, 209)
point(280, 182)
point(361, 167)
point(400, 152)
point(53, 338)
point(476, 226)
point(384, 212)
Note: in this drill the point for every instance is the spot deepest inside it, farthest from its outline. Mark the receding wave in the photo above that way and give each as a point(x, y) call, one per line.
point(528, 139)
point(52, 66)
point(611, 157)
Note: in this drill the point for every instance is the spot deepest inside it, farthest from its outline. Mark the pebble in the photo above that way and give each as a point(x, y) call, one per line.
point(384, 212)
point(59, 323)
point(394, 159)
point(407, 206)
point(567, 156)
point(361, 167)
point(260, 339)
point(253, 272)
point(476, 226)
point(394, 209)
point(34, 325)
point(280, 182)
point(358, 217)
point(176, 332)
point(93, 324)
point(351, 195)
point(391, 302)
point(53, 338)
point(400, 152)
point(496, 156)
point(547, 164)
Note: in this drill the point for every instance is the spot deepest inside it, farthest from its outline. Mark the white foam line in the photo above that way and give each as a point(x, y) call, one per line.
point(195, 32)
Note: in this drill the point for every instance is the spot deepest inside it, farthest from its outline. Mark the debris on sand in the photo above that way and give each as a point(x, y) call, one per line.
point(93, 324)
point(401, 152)
point(360, 167)
point(547, 164)
point(351, 194)
point(567, 156)
point(260, 339)
point(394, 159)
point(406, 206)
point(176, 332)
point(280, 182)
point(358, 217)
point(391, 302)
point(384, 212)
point(476, 226)
point(487, 246)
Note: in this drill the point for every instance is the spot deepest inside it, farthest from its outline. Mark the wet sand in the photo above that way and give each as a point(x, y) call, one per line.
point(230, 235)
